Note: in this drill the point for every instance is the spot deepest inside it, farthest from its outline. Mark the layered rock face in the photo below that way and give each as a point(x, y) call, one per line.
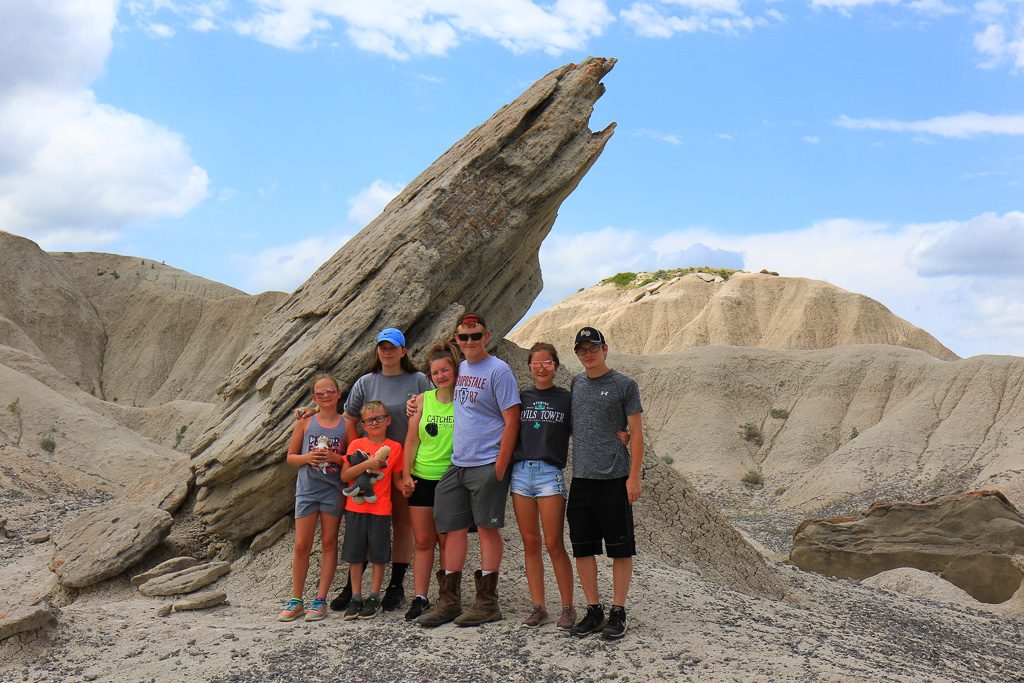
point(748, 309)
point(463, 235)
point(969, 539)
point(828, 424)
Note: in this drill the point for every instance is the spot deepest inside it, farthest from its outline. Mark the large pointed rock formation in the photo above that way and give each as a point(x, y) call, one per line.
point(464, 235)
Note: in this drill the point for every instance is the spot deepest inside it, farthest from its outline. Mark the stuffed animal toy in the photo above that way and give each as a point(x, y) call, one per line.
point(361, 489)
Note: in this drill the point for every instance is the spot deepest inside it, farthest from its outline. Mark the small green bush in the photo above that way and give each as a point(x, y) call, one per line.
point(779, 413)
point(779, 491)
point(620, 279)
point(668, 459)
point(13, 407)
point(854, 434)
point(646, 281)
point(179, 435)
point(752, 477)
point(114, 273)
point(100, 272)
point(751, 433)
point(47, 444)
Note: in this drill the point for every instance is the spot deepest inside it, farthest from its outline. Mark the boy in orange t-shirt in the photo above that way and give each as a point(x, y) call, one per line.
point(368, 525)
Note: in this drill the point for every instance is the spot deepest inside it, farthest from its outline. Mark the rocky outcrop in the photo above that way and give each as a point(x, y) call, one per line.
point(968, 539)
point(106, 540)
point(463, 235)
point(169, 334)
point(201, 601)
point(748, 309)
point(265, 539)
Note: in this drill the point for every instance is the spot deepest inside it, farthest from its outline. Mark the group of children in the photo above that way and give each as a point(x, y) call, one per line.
point(599, 504)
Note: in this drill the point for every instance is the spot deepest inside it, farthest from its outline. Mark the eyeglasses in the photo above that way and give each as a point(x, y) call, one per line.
point(587, 350)
point(329, 391)
point(475, 336)
point(538, 364)
point(370, 421)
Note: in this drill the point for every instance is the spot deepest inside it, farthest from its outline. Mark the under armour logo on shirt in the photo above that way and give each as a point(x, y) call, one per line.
point(604, 393)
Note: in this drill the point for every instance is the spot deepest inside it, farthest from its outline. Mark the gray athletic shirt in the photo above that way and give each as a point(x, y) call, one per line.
point(599, 410)
point(393, 392)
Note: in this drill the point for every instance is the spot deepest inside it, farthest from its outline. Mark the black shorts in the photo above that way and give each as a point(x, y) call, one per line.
point(423, 495)
point(599, 509)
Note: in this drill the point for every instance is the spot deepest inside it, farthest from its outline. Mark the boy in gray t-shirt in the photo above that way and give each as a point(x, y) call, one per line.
point(606, 480)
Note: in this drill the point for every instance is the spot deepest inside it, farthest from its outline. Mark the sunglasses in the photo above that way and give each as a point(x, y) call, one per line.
point(538, 364)
point(475, 336)
point(330, 391)
point(587, 350)
point(370, 421)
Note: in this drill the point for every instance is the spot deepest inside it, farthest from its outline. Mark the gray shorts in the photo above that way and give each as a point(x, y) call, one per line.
point(365, 531)
point(305, 506)
point(470, 495)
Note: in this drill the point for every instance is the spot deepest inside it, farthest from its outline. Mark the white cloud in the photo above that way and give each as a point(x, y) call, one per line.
point(368, 204)
point(811, 139)
point(935, 8)
point(986, 245)
point(657, 18)
point(970, 308)
point(967, 125)
point(160, 30)
point(845, 5)
point(75, 171)
point(404, 28)
point(202, 25)
point(286, 267)
point(670, 138)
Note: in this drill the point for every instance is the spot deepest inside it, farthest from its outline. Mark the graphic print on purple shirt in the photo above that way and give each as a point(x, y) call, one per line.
point(333, 443)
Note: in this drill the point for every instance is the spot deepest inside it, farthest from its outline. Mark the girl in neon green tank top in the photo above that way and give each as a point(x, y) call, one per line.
point(428, 453)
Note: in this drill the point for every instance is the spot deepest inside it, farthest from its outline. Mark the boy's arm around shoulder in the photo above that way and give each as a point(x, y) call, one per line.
point(636, 455)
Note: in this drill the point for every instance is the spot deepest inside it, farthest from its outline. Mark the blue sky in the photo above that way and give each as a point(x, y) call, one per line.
point(875, 145)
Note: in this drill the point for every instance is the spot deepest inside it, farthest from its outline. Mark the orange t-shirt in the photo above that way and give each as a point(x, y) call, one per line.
point(396, 463)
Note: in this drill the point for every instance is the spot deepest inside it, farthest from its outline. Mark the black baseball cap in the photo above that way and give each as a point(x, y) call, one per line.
point(589, 334)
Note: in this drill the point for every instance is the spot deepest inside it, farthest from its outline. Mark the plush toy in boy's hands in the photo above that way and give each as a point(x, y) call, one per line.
point(361, 489)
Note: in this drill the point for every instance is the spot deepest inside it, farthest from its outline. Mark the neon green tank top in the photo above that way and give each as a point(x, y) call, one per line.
point(436, 430)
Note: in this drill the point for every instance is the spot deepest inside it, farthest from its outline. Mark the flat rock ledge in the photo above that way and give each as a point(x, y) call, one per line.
point(106, 541)
point(201, 601)
point(172, 565)
point(23, 618)
point(186, 580)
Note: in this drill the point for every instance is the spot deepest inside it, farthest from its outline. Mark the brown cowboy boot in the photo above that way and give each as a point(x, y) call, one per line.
point(449, 602)
point(486, 608)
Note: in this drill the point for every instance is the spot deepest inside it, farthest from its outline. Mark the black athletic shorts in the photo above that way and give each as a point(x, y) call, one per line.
point(599, 509)
point(423, 495)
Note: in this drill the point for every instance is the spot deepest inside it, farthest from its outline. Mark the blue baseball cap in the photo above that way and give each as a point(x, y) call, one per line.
point(391, 335)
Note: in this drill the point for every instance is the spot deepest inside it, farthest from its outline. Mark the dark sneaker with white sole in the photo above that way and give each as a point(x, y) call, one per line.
point(591, 622)
point(616, 626)
point(352, 612)
point(419, 606)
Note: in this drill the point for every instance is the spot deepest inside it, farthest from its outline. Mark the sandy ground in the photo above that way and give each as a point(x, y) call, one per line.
point(681, 627)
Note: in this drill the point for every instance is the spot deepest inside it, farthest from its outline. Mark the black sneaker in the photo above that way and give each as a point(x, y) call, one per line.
point(591, 622)
point(341, 601)
point(419, 606)
point(354, 606)
point(371, 606)
point(616, 626)
point(394, 596)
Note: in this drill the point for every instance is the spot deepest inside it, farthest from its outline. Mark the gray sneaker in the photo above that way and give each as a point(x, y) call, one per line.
point(566, 619)
point(591, 622)
point(538, 616)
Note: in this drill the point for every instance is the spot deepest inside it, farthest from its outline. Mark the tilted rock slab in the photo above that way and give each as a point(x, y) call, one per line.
point(186, 580)
point(265, 539)
point(174, 564)
point(969, 539)
point(107, 540)
point(464, 235)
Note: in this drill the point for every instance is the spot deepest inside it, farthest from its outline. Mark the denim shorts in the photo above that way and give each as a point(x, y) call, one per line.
point(305, 506)
point(537, 479)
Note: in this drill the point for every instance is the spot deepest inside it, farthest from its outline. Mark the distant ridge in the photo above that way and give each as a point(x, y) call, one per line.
point(703, 309)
